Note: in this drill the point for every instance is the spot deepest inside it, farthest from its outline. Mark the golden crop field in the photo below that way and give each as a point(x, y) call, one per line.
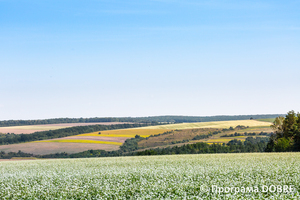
point(215, 124)
point(82, 141)
point(130, 133)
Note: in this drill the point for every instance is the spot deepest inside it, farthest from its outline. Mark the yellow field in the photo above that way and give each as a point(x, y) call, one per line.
point(130, 133)
point(82, 141)
point(215, 124)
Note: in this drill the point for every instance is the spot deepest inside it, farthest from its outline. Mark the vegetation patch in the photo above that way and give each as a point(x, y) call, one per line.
point(287, 133)
point(222, 140)
point(247, 134)
point(267, 120)
point(177, 136)
point(155, 177)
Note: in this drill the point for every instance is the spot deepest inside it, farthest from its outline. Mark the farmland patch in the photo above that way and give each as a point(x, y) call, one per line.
point(46, 127)
point(153, 177)
point(43, 148)
point(215, 124)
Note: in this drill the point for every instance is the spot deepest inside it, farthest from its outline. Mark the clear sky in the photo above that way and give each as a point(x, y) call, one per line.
point(105, 58)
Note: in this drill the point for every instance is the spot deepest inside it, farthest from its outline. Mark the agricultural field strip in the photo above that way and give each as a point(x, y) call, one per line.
point(43, 148)
point(79, 141)
point(118, 140)
point(215, 124)
point(153, 177)
point(131, 133)
point(96, 138)
point(46, 127)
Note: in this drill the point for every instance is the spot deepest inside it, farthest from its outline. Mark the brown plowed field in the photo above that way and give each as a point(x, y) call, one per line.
point(46, 127)
point(97, 138)
point(43, 148)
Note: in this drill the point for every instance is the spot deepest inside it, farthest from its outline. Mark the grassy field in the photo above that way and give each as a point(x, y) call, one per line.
point(267, 120)
point(216, 124)
point(206, 176)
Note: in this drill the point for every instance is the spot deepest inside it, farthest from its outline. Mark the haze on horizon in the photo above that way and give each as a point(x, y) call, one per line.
point(148, 58)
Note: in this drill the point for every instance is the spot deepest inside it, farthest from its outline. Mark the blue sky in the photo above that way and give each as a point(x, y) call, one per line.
point(104, 58)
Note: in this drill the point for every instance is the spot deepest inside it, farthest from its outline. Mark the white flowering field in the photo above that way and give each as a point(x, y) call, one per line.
point(206, 176)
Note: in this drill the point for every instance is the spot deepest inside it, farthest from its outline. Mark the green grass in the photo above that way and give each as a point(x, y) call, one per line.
point(266, 120)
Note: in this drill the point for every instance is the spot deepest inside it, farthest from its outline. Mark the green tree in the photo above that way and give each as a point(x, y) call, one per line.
point(297, 134)
point(283, 144)
point(287, 133)
point(277, 126)
point(290, 125)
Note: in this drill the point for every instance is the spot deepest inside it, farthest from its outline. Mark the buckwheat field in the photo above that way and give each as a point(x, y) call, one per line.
point(209, 176)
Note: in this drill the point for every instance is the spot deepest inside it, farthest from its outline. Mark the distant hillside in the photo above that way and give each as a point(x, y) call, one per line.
point(171, 119)
point(187, 119)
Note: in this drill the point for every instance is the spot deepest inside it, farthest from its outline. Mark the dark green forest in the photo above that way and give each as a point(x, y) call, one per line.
point(170, 119)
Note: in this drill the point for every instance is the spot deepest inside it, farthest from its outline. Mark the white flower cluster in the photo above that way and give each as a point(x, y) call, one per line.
point(152, 177)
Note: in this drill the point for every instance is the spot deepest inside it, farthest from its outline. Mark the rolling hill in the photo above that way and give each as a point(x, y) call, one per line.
point(155, 136)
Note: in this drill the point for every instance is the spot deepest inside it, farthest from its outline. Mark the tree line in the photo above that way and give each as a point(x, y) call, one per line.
point(168, 119)
point(129, 149)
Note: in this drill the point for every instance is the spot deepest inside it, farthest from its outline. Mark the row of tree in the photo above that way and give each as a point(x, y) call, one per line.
point(235, 146)
point(247, 134)
point(10, 155)
point(170, 119)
